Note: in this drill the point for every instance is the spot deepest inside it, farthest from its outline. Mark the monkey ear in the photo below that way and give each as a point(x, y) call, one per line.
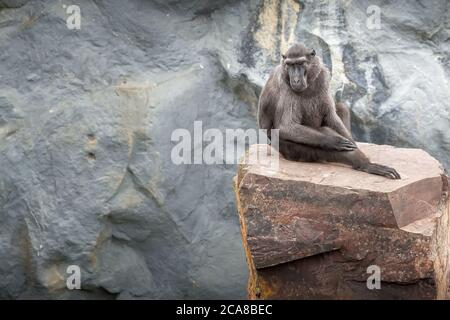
point(313, 52)
point(283, 56)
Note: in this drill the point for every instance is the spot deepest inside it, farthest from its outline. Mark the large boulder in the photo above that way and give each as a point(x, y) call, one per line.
point(314, 231)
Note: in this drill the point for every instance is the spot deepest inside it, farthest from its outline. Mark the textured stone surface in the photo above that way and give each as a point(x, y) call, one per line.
point(12, 3)
point(312, 230)
point(86, 117)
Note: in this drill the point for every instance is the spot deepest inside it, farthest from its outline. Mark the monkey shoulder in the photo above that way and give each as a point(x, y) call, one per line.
point(274, 75)
point(271, 91)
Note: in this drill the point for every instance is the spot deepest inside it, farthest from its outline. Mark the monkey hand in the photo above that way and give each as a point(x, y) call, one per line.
point(381, 170)
point(338, 143)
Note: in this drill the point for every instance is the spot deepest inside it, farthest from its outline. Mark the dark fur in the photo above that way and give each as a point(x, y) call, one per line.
point(312, 128)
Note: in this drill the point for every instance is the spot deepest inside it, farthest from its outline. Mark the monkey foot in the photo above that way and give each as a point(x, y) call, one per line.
point(381, 170)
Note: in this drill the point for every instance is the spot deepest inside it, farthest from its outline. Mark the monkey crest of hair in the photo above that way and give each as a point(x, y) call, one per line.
point(312, 127)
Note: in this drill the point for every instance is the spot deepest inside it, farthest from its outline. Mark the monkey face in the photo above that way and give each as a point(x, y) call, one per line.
point(296, 64)
point(297, 76)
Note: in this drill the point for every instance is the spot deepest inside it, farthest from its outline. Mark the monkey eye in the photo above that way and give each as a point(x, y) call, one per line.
point(313, 52)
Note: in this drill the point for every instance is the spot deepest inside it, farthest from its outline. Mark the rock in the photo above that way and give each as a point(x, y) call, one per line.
point(86, 177)
point(311, 231)
point(12, 3)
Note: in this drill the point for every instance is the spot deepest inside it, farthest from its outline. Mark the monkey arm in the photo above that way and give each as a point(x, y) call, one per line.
point(266, 111)
point(311, 137)
point(265, 120)
point(333, 121)
point(301, 134)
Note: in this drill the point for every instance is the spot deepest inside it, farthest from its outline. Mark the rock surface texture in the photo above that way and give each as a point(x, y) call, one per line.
point(86, 118)
point(311, 231)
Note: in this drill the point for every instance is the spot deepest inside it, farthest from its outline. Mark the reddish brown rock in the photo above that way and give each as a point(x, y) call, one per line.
point(311, 230)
